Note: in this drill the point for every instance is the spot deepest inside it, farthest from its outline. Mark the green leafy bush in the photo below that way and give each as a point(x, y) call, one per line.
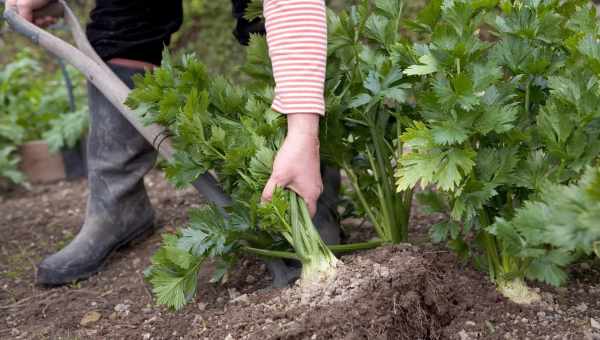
point(498, 120)
point(34, 106)
point(366, 91)
point(565, 216)
point(207, 31)
point(232, 131)
point(8, 165)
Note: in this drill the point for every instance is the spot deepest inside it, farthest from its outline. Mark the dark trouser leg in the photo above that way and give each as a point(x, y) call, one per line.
point(327, 219)
point(118, 208)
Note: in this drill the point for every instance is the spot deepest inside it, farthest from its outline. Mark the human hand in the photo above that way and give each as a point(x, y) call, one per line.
point(297, 164)
point(25, 8)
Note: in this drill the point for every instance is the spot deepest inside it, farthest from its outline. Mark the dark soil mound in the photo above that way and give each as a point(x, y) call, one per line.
point(393, 293)
point(388, 293)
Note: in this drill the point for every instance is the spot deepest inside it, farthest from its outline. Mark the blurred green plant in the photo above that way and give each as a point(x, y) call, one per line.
point(207, 31)
point(34, 106)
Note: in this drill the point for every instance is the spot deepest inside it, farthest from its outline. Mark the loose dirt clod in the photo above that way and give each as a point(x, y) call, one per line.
point(389, 293)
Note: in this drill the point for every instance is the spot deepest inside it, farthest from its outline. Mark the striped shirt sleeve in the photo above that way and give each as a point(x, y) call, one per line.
point(297, 39)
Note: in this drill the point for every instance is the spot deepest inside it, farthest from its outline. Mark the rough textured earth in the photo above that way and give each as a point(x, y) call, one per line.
point(388, 293)
point(418, 291)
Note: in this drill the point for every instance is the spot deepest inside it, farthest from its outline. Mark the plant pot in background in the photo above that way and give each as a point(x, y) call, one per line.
point(42, 166)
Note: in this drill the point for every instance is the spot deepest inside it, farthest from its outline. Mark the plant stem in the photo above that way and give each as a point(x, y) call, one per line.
point(306, 240)
point(383, 176)
point(337, 249)
point(491, 249)
point(363, 201)
point(387, 227)
point(404, 208)
point(271, 253)
point(348, 248)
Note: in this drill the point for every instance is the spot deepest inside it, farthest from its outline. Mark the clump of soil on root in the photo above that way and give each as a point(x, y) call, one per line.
point(387, 293)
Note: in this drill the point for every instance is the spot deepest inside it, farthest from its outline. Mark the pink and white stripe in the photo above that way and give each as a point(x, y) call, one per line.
point(297, 38)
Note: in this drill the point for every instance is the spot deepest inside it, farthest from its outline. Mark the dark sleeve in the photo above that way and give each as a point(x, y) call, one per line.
point(243, 27)
point(133, 29)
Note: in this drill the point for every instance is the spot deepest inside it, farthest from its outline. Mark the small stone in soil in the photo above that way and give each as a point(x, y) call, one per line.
point(120, 308)
point(151, 320)
point(463, 335)
point(241, 299)
point(90, 318)
point(595, 324)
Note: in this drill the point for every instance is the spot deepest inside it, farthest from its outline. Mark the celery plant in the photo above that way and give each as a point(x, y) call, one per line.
point(232, 131)
point(499, 120)
point(366, 93)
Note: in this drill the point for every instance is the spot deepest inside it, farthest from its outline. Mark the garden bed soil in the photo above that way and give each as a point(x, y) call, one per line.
point(418, 291)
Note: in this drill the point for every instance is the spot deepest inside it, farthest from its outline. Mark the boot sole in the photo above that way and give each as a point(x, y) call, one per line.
point(53, 278)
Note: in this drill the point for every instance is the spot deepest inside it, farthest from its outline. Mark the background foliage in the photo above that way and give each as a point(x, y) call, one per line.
point(33, 98)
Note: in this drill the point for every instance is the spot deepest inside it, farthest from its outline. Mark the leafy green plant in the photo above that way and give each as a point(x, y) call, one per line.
point(15, 97)
point(210, 21)
point(33, 106)
point(8, 165)
point(366, 91)
point(66, 130)
point(563, 216)
point(233, 132)
point(498, 120)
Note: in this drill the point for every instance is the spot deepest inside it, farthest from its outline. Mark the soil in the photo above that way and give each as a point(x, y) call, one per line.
point(418, 291)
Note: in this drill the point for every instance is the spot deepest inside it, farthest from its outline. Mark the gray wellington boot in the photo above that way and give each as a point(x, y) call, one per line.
point(118, 208)
point(327, 222)
point(327, 219)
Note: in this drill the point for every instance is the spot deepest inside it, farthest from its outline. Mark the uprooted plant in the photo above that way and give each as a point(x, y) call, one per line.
point(233, 132)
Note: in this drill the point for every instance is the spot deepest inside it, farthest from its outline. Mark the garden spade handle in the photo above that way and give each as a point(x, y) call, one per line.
point(86, 60)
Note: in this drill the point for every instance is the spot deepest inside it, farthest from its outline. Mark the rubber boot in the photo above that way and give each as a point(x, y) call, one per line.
point(118, 208)
point(327, 222)
point(327, 219)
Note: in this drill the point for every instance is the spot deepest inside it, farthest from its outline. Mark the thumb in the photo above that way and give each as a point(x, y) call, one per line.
point(268, 191)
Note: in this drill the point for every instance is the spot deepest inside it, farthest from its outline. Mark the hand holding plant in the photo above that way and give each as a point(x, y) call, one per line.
point(297, 164)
